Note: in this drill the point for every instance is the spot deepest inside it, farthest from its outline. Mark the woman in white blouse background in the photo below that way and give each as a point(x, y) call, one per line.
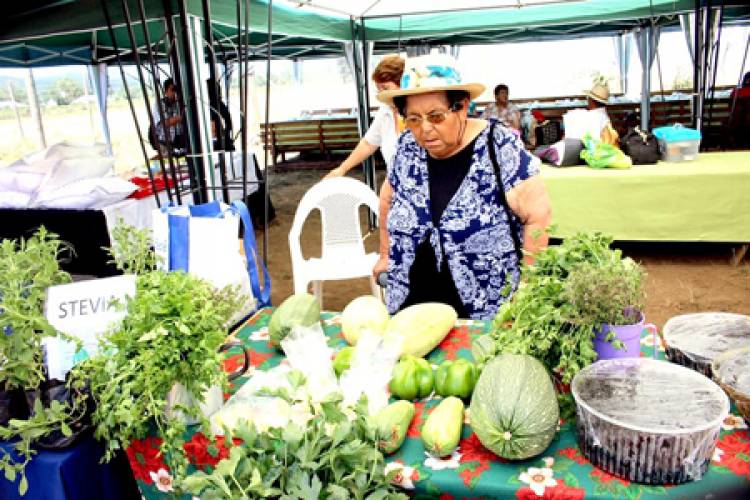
point(385, 128)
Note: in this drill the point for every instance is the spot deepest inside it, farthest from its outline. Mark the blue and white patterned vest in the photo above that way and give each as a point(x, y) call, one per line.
point(474, 230)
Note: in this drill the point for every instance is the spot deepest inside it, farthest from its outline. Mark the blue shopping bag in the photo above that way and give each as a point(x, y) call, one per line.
point(203, 240)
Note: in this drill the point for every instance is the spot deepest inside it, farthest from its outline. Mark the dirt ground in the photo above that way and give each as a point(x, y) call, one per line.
point(682, 278)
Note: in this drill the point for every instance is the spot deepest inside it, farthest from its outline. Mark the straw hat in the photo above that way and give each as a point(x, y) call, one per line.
point(430, 73)
point(599, 92)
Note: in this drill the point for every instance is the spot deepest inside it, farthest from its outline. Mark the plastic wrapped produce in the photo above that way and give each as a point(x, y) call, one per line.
point(648, 421)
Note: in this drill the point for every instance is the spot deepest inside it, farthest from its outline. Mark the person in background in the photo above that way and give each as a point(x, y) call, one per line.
point(219, 114)
point(451, 228)
point(171, 131)
point(503, 110)
point(739, 119)
point(598, 98)
point(385, 127)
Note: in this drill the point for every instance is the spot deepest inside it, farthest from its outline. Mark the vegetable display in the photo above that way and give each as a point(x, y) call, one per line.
point(514, 410)
point(391, 424)
point(456, 378)
point(366, 313)
point(343, 360)
point(412, 378)
point(441, 432)
point(300, 309)
point(421, 327)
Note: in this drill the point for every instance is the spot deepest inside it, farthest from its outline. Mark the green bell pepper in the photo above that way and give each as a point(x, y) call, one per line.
point(456, 378)
point(412, 379)
point(343, 360)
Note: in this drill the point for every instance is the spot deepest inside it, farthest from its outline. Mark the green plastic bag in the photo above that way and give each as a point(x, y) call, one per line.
point(600, 155)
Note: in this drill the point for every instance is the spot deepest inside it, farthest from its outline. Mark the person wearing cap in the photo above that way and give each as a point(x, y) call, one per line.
point(598, 98)
point(446, 233)
point(385, 127)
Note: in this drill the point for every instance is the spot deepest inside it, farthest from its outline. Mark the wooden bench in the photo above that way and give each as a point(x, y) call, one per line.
point(319, 135)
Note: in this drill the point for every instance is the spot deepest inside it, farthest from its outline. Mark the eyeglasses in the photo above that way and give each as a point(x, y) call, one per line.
point(413, 122)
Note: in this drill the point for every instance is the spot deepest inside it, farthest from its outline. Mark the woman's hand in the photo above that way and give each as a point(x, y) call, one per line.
point(381, 266)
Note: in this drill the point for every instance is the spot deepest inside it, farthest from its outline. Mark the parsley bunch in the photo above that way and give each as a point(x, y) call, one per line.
point(332, 457)
point(171, 334)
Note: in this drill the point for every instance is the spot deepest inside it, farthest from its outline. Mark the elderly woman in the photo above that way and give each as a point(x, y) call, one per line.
point(463, 199)
point(385, 127)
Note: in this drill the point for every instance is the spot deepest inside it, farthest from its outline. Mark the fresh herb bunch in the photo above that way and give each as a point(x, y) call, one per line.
point(331, 457)
point(131, 252)
point(28, 268)
point(566, 295)
point(610, 292)
point(171, 334)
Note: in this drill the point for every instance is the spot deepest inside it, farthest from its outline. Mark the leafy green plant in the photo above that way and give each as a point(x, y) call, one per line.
point(610, 292)
point(28, 267)
point(42, 422)
point(549, 317)
point(171, 334)
point(333, 456)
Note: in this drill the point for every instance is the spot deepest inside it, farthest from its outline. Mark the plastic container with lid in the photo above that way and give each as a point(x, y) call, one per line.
point(678, 143)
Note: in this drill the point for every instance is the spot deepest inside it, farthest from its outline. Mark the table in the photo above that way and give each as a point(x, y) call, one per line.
point(74, 473)
point(701, 200)
point(473, 471)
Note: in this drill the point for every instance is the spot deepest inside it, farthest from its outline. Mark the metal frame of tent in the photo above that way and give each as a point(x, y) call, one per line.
point(299, 33)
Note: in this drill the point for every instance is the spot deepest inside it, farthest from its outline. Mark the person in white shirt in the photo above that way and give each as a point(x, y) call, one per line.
point(598, 98)
point(385, 128)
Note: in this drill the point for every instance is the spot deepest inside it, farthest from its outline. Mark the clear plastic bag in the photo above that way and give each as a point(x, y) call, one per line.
point(370, 371)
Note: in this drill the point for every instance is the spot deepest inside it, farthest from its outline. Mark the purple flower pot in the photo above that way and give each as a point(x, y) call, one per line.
point(630, 335)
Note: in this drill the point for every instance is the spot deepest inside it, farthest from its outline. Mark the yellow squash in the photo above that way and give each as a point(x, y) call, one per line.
point(421, 327)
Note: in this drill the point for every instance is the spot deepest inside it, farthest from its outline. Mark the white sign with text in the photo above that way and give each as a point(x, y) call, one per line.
point(85, 310)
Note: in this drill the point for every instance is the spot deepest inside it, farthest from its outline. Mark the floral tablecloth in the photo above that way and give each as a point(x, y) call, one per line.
point(561, 472)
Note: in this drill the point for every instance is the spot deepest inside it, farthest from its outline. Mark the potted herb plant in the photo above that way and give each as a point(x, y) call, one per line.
point(609, 296)
point(34, 411)
point(542, 322)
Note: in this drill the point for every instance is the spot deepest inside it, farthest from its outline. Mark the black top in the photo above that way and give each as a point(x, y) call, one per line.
point(426, 283)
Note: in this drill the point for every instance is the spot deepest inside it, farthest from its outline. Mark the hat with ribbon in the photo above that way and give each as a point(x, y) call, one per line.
point(430, 73)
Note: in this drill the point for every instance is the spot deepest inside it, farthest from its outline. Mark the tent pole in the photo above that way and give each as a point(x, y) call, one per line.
point(266, 171)
point(100, 80)
point(645, 33)
point(241, 80)
point(697, 28)
point(715, 64)
point(15, 108)
point(36, 114)
point(370, 177)
point(173, 57)
point(159, 101)
point(189, 50)
point(213, 85)
point(125, 85)
point(142, 80)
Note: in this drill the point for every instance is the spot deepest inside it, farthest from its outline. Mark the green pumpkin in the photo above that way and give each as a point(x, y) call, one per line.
point(514, 410)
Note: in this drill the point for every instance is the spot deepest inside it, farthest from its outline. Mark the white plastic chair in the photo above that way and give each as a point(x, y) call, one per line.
point(343, 255)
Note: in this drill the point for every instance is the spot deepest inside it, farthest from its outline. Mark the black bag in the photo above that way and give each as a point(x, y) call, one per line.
point(548, 132)
point(641, 147)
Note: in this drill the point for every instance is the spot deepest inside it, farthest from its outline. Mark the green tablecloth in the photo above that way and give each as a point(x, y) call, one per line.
point(701, 200)
point(474, 472)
